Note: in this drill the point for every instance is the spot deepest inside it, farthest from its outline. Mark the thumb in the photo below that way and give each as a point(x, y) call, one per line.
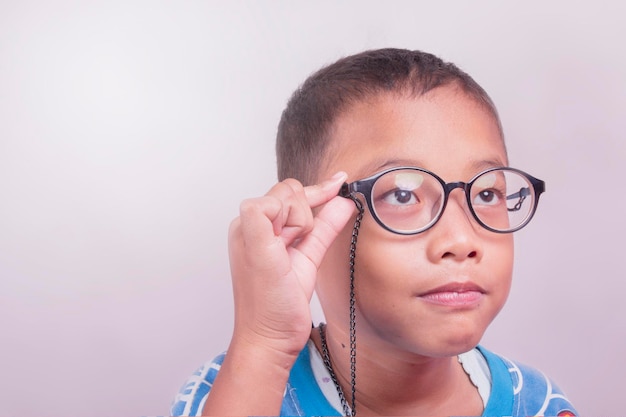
point(328, 223)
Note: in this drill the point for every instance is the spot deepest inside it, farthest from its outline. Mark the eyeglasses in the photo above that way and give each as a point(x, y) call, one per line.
point(409, 200)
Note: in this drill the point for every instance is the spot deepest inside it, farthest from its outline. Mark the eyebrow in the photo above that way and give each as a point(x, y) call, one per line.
point(390, 163)
point(487, 163)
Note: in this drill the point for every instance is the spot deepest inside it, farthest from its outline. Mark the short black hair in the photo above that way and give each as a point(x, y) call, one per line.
point(304, 129)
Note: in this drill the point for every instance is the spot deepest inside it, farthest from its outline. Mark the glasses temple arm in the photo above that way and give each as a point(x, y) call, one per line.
point(523, 192)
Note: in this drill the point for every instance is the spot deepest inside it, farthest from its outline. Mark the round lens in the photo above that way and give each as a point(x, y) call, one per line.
point(407, 200)
point(502, 199)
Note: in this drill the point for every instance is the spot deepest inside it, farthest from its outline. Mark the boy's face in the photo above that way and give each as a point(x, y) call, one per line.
point(407, 286)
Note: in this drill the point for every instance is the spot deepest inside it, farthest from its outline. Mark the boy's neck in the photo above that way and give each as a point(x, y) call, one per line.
point(395, 384)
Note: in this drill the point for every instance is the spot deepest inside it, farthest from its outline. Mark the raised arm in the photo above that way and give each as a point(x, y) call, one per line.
point(276, 246)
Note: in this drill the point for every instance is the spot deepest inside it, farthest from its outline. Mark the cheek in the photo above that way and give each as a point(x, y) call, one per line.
point(388, 261)
point(498, 267)
point(499, 255)
point(388, 270)
point(333, 278)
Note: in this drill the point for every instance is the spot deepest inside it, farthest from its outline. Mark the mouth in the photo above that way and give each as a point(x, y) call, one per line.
point(456, 295)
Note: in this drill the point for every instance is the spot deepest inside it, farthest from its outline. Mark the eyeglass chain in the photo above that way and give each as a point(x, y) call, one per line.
point(347, 409)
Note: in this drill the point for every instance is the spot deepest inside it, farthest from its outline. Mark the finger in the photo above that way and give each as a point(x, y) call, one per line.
point(295, 213)
point(294, 226)
point(282, 213)
point(321, 193)
point(255, 221)
point(330, 221)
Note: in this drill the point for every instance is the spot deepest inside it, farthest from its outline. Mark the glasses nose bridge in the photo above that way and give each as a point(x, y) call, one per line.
point(464, 203)
point(465, 200)
point(451, 186)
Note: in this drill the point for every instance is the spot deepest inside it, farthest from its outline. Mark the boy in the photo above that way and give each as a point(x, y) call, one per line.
point(416, 146)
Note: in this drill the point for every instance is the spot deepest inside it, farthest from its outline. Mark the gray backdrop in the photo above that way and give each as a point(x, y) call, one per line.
point(130, 131)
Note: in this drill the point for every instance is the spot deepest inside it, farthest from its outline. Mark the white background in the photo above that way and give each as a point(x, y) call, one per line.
point(130, 131)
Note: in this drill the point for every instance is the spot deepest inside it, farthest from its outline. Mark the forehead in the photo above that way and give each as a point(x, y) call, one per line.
point(444, 131)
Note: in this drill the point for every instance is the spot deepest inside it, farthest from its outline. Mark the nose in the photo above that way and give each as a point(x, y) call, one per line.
point(456, 236)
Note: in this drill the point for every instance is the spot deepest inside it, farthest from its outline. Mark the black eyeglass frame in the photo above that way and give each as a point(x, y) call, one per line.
point(365, 186)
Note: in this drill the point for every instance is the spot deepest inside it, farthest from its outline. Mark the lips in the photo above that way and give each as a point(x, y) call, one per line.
point(459, 295)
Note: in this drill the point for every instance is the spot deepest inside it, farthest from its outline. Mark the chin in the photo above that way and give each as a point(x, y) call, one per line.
point(455, 343)
point(463, 346)
point(450, 343)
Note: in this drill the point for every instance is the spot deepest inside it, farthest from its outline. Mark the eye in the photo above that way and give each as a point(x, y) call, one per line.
point(487, 198)
point(399, 197)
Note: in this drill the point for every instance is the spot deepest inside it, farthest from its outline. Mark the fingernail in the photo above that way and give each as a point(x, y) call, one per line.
point(340, 175)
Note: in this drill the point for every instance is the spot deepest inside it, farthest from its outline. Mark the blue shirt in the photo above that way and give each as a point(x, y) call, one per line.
point(516, 390)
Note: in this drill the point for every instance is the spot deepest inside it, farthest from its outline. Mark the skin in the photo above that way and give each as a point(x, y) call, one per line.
point(295, 239)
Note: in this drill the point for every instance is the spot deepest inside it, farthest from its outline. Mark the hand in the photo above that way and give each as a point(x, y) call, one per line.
point(276, 247)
